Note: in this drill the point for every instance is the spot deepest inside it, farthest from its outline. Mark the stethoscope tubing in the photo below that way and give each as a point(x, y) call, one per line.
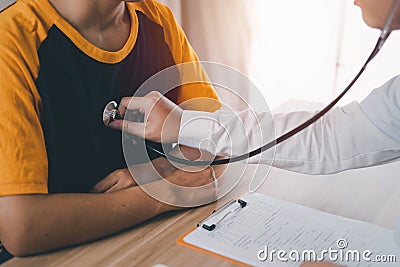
point(281, 138)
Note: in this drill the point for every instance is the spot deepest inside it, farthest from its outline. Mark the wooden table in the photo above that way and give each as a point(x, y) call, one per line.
point(371, 195)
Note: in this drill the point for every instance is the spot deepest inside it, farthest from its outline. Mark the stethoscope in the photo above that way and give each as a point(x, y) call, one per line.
point(111, 111)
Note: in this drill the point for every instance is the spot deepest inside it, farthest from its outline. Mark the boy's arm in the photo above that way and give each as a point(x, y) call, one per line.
point(32, 224)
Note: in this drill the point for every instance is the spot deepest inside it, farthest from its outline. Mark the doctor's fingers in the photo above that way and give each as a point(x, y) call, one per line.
point(135, 128)
point(141, 104)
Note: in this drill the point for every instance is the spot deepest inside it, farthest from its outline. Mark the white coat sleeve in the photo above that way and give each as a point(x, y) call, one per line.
point(353, 136)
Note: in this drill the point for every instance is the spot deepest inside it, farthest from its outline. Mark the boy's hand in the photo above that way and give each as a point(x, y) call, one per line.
point(163, 166)
point(115, 181)
point(162, 118)
point(193, 179)
point(199, 187)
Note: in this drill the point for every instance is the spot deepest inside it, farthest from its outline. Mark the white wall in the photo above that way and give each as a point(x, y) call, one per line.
point(310, 49)
point(176, 6)
point(358, 41)
point(295, 48)
point(5, 3)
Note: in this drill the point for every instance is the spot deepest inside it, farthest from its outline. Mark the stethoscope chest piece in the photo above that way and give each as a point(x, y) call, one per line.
point(110, 113)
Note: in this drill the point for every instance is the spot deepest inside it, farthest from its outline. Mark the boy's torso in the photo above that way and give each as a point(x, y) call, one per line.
point(75, 84)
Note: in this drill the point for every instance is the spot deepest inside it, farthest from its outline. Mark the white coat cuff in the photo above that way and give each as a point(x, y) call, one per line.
point(195, 127)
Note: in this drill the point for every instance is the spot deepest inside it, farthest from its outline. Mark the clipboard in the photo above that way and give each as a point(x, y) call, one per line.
point(279, 224)
point(181, 242)
point(219, 214)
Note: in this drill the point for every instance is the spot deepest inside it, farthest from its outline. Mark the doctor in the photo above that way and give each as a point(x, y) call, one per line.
point(353, 136)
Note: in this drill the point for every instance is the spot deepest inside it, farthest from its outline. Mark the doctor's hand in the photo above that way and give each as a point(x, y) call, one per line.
point(162, 118)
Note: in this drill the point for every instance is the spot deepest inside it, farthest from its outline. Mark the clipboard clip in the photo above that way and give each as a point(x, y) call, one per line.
point(222, 213)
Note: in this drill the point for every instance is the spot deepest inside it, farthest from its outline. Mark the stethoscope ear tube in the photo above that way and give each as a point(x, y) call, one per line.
point(386, 30)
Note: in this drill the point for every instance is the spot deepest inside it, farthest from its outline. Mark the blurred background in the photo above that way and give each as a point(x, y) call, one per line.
point(304, 50)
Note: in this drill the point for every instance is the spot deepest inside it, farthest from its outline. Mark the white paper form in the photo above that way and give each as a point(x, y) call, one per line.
point(284, 226)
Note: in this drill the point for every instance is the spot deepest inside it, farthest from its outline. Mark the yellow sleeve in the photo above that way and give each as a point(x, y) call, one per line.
point(193, 95)
point(23, 159)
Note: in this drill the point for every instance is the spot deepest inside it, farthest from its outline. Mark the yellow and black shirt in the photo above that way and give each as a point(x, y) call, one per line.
point(54, 85)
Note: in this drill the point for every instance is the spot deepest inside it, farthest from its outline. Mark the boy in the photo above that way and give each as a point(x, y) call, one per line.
point(61, 62)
